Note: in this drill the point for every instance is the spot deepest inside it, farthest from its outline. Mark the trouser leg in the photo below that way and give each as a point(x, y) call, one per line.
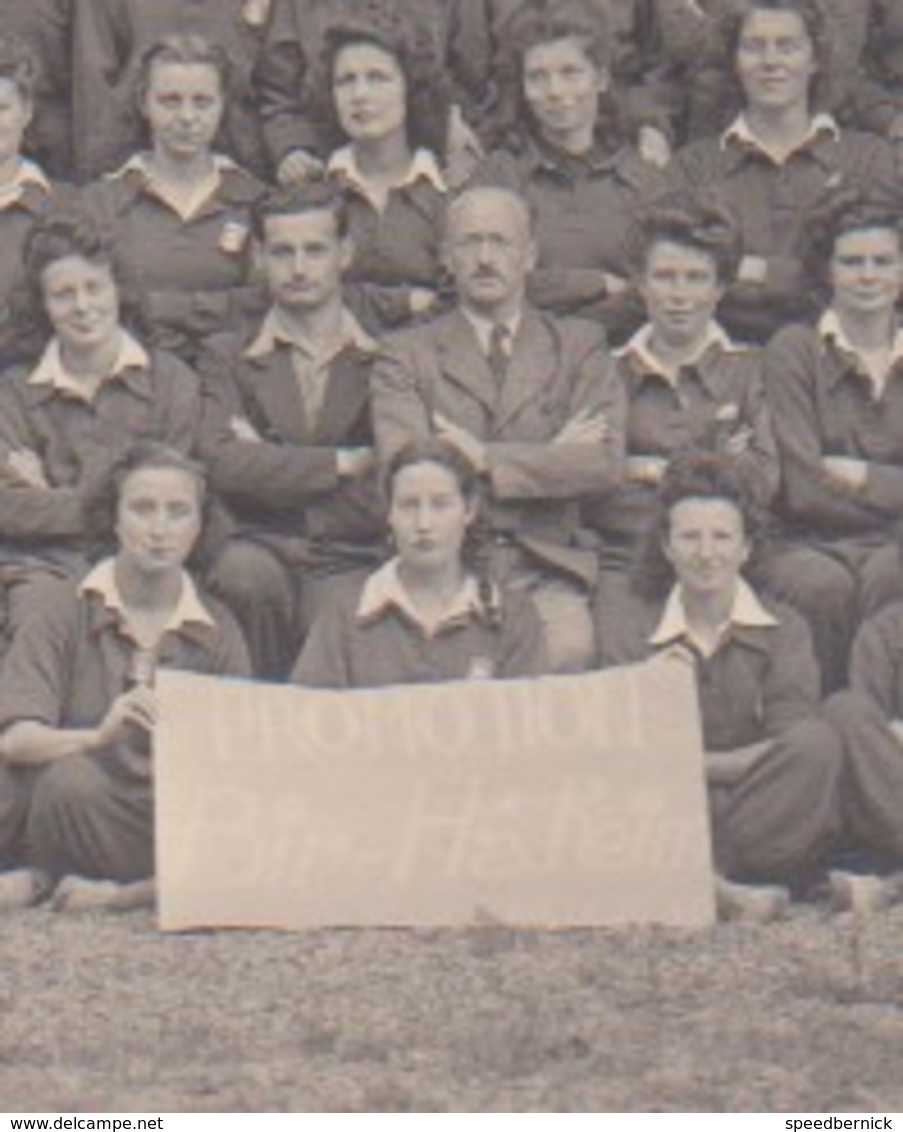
point(778, 822)
point(257, 587)
point(881, 580)
point(92, 817)
point(15, 798)
point(871, 792)
point(825, 591)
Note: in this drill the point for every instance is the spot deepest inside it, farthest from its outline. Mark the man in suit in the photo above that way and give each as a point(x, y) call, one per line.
point(531, 399)
point(286, 429)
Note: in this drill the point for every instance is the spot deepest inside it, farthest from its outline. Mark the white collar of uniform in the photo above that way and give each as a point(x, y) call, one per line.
point(141, 163)
point(27, 173)
point(740, 131)
point(639, 347)
point(101, 580)
point(383, 590)
point(424, 166)
point(51, 371)
point(483, 327)
point(276, 331)
point(746, 610)
point(830, 329)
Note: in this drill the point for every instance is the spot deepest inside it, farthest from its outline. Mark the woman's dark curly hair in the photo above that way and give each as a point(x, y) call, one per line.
point(694, 475)
point(476, 548)
point(823, 96)
point(836, 214)
point(411, 43)
point(102, 497)
point(62, 232)
point(689, 222)
point(539, 22)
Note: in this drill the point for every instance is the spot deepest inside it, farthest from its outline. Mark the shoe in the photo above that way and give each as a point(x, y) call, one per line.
point(21, 888)
point(752, 903)
point(80, 894)
point(864, 894)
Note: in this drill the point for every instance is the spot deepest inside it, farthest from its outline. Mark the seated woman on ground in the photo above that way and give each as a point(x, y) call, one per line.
point(429, 614)
point(77, 706)
point(771, 764)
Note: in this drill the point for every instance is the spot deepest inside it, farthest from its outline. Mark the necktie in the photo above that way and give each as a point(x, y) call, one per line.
point(498, 356)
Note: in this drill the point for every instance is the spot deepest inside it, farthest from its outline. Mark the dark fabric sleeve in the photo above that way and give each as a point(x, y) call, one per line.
point(324, 661)
point(255, 472)
point(279, 78)
point(792, 684)
point(34, 671)
point(791, 377)
point(550, 470)
point(523, 651)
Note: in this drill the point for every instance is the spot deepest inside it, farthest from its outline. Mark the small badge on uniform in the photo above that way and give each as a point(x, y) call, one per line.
point(255, 12)
point(233, 237)
point(480, 668)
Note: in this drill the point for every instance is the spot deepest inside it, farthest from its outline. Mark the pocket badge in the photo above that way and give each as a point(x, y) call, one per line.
point(255, 13)
point(233, 237)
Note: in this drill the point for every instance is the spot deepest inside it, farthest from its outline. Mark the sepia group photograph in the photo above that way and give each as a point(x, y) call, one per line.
point(451, 560)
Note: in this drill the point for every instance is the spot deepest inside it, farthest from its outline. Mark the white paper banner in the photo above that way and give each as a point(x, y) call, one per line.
point(556, 802)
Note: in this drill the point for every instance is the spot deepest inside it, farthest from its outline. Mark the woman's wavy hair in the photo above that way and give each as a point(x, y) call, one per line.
point(539, 22)
point(689, 222)
point(825, 92)
point(837, 213)
point(410, 41)
point(476, 548)
point(184, 48)
point(103, 494)
point(66, 230)
point(694, 475)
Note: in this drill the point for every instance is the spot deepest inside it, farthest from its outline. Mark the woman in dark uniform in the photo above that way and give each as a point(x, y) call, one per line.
point(180, 212)
point(429, 614)
point(565, 153)
point(385, 105)
point(77, 707)
point(771, 764)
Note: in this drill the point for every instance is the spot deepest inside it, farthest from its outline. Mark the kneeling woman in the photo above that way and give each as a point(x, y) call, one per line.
point(771, 765)
point(77, 707)
point(429, 614)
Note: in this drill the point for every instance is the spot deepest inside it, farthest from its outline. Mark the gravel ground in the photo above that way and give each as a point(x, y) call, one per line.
point(106, 1014)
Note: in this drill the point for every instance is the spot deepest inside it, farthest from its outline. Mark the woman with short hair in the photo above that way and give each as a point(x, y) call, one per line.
point(431, 612)
point(770, 763)
point(179, 211)
point(77, 705)
point(782, 152)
